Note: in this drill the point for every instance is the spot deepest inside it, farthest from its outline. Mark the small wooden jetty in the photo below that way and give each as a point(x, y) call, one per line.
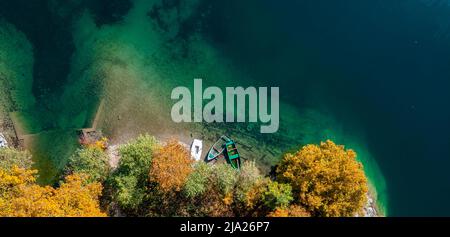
point(25, 139)
point(92, 134)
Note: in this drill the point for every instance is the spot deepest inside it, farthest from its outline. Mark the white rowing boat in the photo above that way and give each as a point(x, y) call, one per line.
point(3, 142)
point(196, 149)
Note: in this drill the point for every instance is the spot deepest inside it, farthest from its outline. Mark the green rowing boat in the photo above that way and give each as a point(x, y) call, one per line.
point(217, 149)
point(226, 148)
point(233, 155)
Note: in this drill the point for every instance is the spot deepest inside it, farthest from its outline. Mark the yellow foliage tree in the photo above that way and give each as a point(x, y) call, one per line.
point(20, 196)
point(292, 211)
point(326, 179)
point(298, 211)
point(171, 166)
point(101, 144)
point(77, 197)
point(279, 212)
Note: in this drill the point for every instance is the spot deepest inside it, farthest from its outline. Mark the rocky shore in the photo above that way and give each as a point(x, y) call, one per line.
point(371, 209)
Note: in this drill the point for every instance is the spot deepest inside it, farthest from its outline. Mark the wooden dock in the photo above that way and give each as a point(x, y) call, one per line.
point(24, 138)
point(93, 128)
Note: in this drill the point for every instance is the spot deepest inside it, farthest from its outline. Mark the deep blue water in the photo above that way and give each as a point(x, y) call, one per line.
point(382, 64)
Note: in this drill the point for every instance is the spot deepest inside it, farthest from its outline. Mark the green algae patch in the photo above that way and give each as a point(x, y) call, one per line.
point(132, 65)
point(16, 68)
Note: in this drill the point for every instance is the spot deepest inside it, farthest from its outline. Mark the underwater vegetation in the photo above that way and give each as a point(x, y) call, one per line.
point(130, 55)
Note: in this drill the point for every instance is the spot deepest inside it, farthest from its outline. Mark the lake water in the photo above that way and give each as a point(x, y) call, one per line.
point(380, 65)
point(374, 75)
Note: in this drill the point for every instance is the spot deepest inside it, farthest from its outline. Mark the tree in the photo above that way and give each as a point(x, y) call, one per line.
point(20, 196)
point(129, 182)
point(298, 211)
point(217, 200)
point(77, 197)
point(136, 156)
point(209, 190)
point(171, 166)
point(249, 177)
point(327, 179)
point(291, 211)
point(224, 179)
point(220, 190)
point(279, 212)
point(10, 157)
point(266, 196)
point(92, 161)
point(277, 195)
point(198, 180)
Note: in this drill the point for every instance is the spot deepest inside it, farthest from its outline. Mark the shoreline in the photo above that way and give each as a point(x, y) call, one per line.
point(372, 208)
point(186, 135)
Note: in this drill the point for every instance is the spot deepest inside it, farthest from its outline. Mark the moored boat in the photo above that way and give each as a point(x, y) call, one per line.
point(196, 149)
point(217, 150)
point(232, 154)
point(3, 142)
point(225, 147)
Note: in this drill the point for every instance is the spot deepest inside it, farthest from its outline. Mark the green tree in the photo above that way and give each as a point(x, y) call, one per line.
point(10, 157)
point(266, 196)
point(249, 177)
point(197, 182)
point(224, 179)
point(219, 190)
point(209, 190)
point(277, 195)
point(91, 161)
point(129, 182)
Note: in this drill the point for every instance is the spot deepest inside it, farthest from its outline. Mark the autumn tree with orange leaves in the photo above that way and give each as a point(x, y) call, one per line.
point(291, 211)
point(171, 166)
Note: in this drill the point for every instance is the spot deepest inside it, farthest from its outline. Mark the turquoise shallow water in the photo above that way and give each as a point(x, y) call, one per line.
point(371, 75)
